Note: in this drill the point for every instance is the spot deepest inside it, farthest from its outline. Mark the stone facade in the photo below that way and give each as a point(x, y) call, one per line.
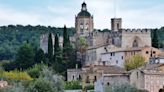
point(74, 74)
point(149, 77)
point(116, 24)
point(118, 56)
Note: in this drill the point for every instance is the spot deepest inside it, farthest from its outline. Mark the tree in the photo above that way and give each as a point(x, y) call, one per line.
point(40, 56)
point(134, 62)
point(50, 48)
point(155, 38)
point(41, 85)
point(82, 46)
point(25, 57)
point(57, 56)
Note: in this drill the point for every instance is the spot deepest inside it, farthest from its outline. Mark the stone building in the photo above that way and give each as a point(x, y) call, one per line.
point(102, 42)
point(149, 77)
point(118, 56)
point(113, 76)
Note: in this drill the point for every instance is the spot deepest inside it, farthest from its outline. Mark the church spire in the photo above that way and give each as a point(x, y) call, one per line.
point(84, 6)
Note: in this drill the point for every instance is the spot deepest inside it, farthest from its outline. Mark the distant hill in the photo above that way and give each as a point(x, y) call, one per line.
point(12, 36)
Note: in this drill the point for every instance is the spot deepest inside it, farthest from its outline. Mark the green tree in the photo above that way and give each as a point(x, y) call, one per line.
point(50, 48)
point(40, 56)
point(25, 57)
point(57, 56)
point(41, 85)
point(82, 46)
point(155, 38)
point(134, 62)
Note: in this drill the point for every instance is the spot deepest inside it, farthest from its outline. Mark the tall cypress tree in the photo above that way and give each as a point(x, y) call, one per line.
point(57, 56)
point(68, 51)
point(50, 48)
point(155, 39)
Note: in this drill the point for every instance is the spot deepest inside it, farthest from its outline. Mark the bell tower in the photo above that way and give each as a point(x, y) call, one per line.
point(116, 24)
point(83, 22)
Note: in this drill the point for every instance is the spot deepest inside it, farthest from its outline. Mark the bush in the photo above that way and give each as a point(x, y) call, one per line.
point(134, 62)
point(41, 85)
point(72, 85)
point(15, 76)
point(34, 72)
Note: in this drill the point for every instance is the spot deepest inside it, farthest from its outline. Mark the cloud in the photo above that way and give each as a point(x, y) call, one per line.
point(56, 13)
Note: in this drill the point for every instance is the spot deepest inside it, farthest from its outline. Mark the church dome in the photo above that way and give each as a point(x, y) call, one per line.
point(84, 12)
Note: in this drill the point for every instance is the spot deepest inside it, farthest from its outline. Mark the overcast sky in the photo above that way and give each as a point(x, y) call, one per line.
point(135, 13)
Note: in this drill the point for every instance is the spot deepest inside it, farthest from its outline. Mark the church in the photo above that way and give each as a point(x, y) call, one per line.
point(103, 42)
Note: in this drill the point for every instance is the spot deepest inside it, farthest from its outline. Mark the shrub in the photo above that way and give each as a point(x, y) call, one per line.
point(72, 85)
point(34, 72)
point(15, 76)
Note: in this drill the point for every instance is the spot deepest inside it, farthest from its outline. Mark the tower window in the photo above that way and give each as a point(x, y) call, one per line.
point(118, 26)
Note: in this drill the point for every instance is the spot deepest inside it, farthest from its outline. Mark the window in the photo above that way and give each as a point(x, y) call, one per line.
point(108, 83)
point(118, 26)
point(95, 78)
point(104, 63)
point(110, 54)
point(73, 77)
point(147, 52)
point(116, 61)
point(87, 81)
point(122, 57)
point(135, 43)
point(137, 75)
point(154, 52)
point(79, 77)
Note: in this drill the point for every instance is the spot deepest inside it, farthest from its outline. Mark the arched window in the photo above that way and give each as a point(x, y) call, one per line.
point(135, 43)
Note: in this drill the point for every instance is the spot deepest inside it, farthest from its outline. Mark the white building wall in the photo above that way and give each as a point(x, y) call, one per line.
point(113, 58)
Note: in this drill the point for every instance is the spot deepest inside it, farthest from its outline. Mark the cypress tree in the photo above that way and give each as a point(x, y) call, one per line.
point(155, 39)
point(57, 56)
point(40, 56)
point(50, 48)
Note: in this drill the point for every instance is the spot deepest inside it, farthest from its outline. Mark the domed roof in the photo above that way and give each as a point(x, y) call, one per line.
point(84, 14)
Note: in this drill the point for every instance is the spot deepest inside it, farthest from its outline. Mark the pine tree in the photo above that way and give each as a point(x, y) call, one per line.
point(25, 57)
point(155, 39)
point(50, 48)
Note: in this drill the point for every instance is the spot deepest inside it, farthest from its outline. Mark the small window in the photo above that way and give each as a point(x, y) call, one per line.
point(154, 52)
point(95, 79)
point(122, 57)
point(137, 75)
point(147, 52)
point(116, 61)
point(110, 54)
point(73, 77)
point(79, 77)
point(87, 81)
point(108, 83)
point(104, 63)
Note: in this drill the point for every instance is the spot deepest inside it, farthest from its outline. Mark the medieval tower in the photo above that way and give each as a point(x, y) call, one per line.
point(84, 22)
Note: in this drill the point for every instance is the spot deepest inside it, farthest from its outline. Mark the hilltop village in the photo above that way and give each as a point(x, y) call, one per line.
point(104, 58)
